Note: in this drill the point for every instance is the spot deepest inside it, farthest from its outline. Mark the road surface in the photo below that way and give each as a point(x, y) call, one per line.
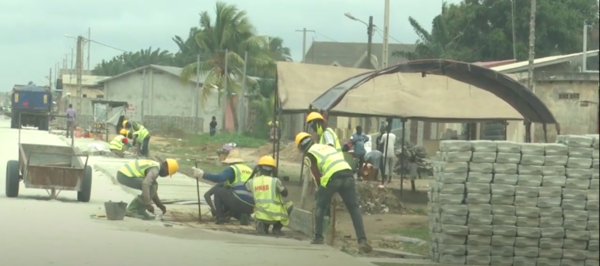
point(37, 231)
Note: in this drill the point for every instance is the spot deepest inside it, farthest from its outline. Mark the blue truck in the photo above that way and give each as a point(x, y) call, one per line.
point(33, 104)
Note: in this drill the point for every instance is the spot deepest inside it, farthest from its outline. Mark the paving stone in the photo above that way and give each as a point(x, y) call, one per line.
point(575, 244)
point(453, 219)
point(479, 229)
point(554, 212)
point(579, 141)
point(577, 183)
point(577, 215)
point(533, 148)
point(479, 250)
point(554, 181)
point(502, 200)
point(480, 208)
point(445, 249)
point(457, 145)
point(577, 235)
point(486, 157)
point(550, 253)
point(434, 197)
point(506, 179)
point(553, 232)
point(592, 225)
point(530, 169)
point(453, 259)
point(505, 168)
point(549, 202)
point(508, 158)
point(593, 195)
point(537, 160)
point(484, 145)
point(452, 189)
point(473, 198)
point(454, 209)
point(593, 255)
point(529, 232)
point(581, 152)
point(550, 192)
point(503, 210)
point(550, 243)
point(556, 149)
point(452, 178)
point(478, 259)
point(456, 156)
point(520, 260)
point(528, 252)
point(479, 240)
point(508, 147)
point(574, 254)
point(593, 245)
point(575, 173)
point(529, 180)
point(483, 219)
point(487, 168)
point(504, 230)
point(579, 163)
point(554, 170)
point(504, 220)
point(568, 262)
point(595, 184)
point(501, 189)
point(547, 262)
point(503, 246)
point(573, 224)
point(593, 215)
point(526, 201)
point(527, 242)
point(502, 260)
point(451, 198)
point(456, 230)
point(596, 164)
point(596, 154)
point(549, 222)
point(590, 262)
point(458, 167)
point(475, 177)
point(571, 204)
point(523, 211)
point(525, 191)
point(556, 160)
point(478, 188)
point(528, 221)
point(451, 239)
point(578, 194)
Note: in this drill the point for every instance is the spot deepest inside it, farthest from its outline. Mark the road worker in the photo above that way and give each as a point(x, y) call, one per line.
point(334, 175)
point(142, 175)
point(140, 135)
point(118, 144)
point(327, 135)
point(234, 197)
point(269, 207)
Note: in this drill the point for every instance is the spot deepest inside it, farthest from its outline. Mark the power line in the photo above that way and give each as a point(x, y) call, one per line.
point(109, 46)
point(325, 36)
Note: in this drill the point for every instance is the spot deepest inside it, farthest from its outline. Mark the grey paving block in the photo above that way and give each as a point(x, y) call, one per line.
point(556, 160)
point(577, 183)
point(479, 250)
point(480, 208)
point(574, 254)
point(454, 209)
point(529, 180)
point(445, 249)
point(519, 260)
point(451, 219)
point(525, 191)
point(434, 197)
point(503, 210)
point(550, 253)
point(508, 158)
point(595, 154)
point(479, 240)
point(483, 219)
point(592, 225)
point(581, 152)
point(457, 230)
point(478, 188)
point(527, 242)
point(528, 221)
point(593, 255)
point(508, 147)
point(473, 198)
point(450, 178)
point(595, 184)
point(573, 224)
point(547, 262)
point(551, 243)
point(456, 156)
point(484, 157)
point(530, 169)
point(553, 232)
point(554, 181)
point(457, 145)
point(568, 262)
point(549, 202)
point(502, 199)
point(484, 145)
point(577, 215)
point(478, 259)
point(506, 179)
point(575, 244)
point(504, 220)
point(487, 168)
point(451, 239)
point(529, 232)
point(501, 189)
point(593, 195)
point(533, 148)
point(451, 198)
point(550, 222)
point(459, 167)
point(556, 149)
point(480, 229)
point(593, 245)
point(537, 160)
point(590, 262)
point(579, 173)
point(527, 252)
point(554, 170)
point(554, 212)
point(596, 164)
point(504, 230)
point(579, 141)
point(524, 211)
point(526, 201)
point(503, 246)
point(577, 235)
point(579, 163)
point(571, 204)
point(593, 215)
point(508, 169)
point(452, 189)
point(578, 194)
point(502, 260)
point(550, 192)
point(475, 177)
point(453, 259)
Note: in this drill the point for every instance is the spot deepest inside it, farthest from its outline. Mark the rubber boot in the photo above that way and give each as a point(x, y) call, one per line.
point(277, 229)
point(136, 209)
point(260, 228)
point(364, 246)
point(244, 219)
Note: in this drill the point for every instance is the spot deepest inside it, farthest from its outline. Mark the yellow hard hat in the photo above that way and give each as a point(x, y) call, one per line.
point(124, 123)
point(172, 166)
point(266, 160)
point(312, 116)
point(301, 136)
point(123, 131)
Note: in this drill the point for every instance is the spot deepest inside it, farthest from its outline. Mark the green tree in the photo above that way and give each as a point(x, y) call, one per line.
point(132, 60)
point(188, 48)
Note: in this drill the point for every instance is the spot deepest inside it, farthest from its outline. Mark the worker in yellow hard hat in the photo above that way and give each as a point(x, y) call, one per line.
point(117, 144)
point(333, 175)
point(142, 175)
point(140, 135)
point(327, 136)
point(269, 207)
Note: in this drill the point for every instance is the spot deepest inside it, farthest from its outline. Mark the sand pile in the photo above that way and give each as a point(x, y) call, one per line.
point(375, 200)
point(290, 153)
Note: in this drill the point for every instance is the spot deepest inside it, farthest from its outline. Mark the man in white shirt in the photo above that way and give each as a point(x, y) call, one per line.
point(389, 153)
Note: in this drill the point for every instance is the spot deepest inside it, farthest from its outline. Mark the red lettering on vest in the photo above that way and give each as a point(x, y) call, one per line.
point(246, 172)
point(261, 188)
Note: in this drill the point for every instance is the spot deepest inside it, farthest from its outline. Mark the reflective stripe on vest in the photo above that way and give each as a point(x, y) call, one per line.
point(137, 168)
point(336, 141)
point(268, 204)
point(329, 161)
point(242, 174)
point(140, 131)
point(116, 143)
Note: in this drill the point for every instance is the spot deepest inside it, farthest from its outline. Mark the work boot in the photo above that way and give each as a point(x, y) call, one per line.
point(364, 247)
point(219, 220)
point(260, 227)
point(318, 240)
point(244, 219)
point(136, 209)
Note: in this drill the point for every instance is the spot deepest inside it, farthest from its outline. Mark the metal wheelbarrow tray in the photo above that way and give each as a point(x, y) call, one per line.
point(53, 168)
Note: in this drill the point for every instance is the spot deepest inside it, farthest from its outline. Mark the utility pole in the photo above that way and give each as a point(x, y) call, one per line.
point(197, 92)
point(242, 98)
point(89, 42)
point(386, 34)
point(50, 79)
point(514, 34)
point(224, 89)
point(304, 31)
point(79, 72)
point(369, 40)
point(73, 57)
point(530, 81)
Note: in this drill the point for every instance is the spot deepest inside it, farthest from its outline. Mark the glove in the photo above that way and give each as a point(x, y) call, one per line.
point(150, 208)
point(198, 173)
point(163, 208)
point(129, 144)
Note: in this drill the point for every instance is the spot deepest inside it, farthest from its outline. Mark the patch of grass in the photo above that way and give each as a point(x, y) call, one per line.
point(419, 211)
point(242, 141)
point(415, 232)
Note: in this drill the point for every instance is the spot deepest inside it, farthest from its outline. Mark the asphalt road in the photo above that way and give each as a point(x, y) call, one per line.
point(38, 231)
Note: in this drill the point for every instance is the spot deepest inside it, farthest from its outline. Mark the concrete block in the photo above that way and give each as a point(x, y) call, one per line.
point(502, 260)
point(452, 178)
point(503, 210)
point(445, 249)
point(556, 160)
point(592, 225)
point(526, 201)
point(533, 148)
point(573, 224)
point(486, 168)
point(484, 157)
point(451, 239)
point(454, 209)
point(456, 156)
point(576, 215)
point(524, 211)
point(592, 205)
point(480, 208)
point(575, 244)
point(554, 170)
point(473, 198)
point(530, 169)
point(551, 222)
point(527, 252)
point(480, 219)
point(550, 253)
point(537, 160)
point(456, 230)
point(591, 262)
point(484, 146)
point(577, 183)
point(433, 197)
point(479, 250)
point(302, 220)
point(508, 147)
point(547, 262)
point(453, 259)
point(456, 145)
point(551, 243)
point(529, 232)
point(520, 260)
point(478, 188)
point(553, 232)
point(556, 149)
point(593, 255)
point(579, 163)
point(581, 152)
point(550, 192)
point(502, 200)
point(504, 220)
point(479, 259)
point(479, 240)
point(504, 230)
point(554, 212)
point(532, 192)
point(571, 204)
point(595, 184)
point(595, 154)
point(596, 164)
point(593, 195)
point(451, 198)
point(504, 168)
point(528, 221)
point(576, 194)
point(458, 167)
point(480, 177)
point(579, 141)
point(554, 181)
point(527, 242)
point(549, 202)
point(453, 219)
point(478, 229)
point(501, 189)
point(529, 180)
point(577, 235)
point(574, 254)
point(452, 189)
point(503, 245)
point(579, 173)
point(508, 158)
point(593, 245)
point(506, 179)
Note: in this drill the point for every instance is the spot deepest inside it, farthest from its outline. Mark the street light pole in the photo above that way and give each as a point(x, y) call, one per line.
point(370, 40)
point(386, 33)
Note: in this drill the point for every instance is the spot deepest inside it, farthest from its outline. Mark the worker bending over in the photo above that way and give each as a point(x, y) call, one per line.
point(333, 174)
point(234, 196)
point(142, 175)
point(269, 207)
point(140, 135)
point(118, 143)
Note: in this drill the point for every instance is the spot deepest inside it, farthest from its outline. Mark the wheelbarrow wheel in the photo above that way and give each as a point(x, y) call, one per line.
point(13, 178)
point(85, 191)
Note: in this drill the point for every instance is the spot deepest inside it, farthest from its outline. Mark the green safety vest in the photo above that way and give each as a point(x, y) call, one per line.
point(336, 141)
point(137, 168)
point(140, 131)
point(242, 174)
point(268, 205)
point(117, 143)
point(329, 161)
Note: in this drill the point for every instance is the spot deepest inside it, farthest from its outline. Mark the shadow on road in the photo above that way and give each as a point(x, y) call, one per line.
point(46, 198)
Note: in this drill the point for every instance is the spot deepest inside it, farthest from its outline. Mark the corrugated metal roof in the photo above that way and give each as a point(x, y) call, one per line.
point(176, 71)
point(490, 64)
point(540, 62)
point(86, 80)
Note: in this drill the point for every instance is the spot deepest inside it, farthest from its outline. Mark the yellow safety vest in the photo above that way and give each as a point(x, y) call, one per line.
point(140, 131)
point(329, 161)
point(242, 174)
point(336, 141)
point(268, 205)
point(137, 168)
point(117, 143)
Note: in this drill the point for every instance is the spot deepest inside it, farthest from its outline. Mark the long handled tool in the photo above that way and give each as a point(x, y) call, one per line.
point(198, 192)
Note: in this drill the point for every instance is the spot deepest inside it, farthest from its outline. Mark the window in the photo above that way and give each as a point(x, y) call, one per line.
point(84, 95)
point(100, 96)
point(568, 96)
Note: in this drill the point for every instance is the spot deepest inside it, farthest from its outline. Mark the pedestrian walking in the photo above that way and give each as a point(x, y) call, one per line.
point(71, 115)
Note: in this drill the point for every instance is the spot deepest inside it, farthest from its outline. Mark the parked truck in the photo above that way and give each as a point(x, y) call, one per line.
point(33, 104)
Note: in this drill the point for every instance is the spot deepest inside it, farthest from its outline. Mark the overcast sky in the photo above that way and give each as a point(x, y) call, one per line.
point(33, 32)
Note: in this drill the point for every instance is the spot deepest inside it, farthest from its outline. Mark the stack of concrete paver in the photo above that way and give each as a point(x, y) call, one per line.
point(505, 203)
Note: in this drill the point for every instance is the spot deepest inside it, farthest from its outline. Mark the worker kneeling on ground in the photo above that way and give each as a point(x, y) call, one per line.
point(140, 135)
point(269, 207)
point(333, 174)
point(234, 197)
point(117, 144)
point(142, 175)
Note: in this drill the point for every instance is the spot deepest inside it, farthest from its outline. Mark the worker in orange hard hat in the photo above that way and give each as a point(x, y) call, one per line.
point(327, 136)
point(117, 145)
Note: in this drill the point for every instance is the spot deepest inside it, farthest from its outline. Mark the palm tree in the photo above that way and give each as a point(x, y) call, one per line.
point(130, 60)
point(277, 51)
point(188, 48)
point(231, 32)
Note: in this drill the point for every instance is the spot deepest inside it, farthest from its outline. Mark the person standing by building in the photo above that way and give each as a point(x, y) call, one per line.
point(358, 145)
point(389, 153)
point(213, 126)
point(71, 115)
